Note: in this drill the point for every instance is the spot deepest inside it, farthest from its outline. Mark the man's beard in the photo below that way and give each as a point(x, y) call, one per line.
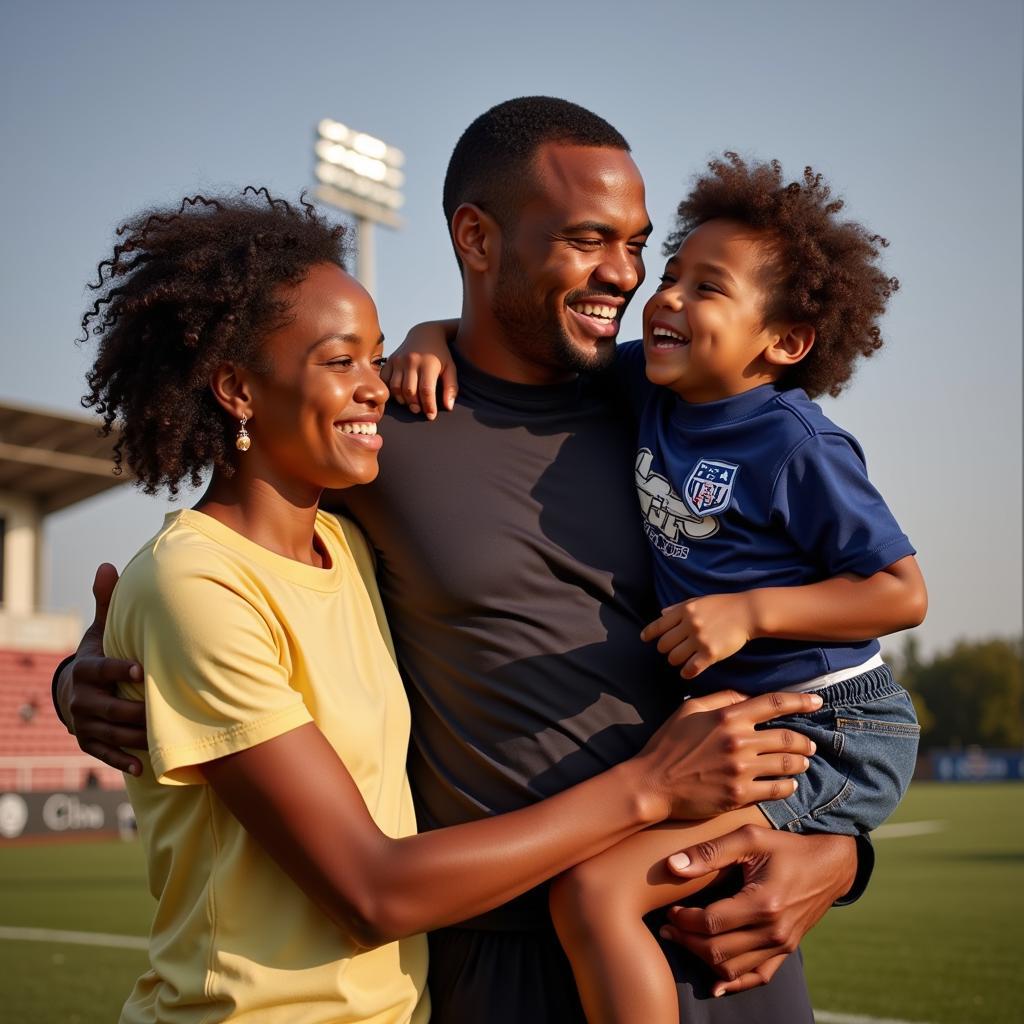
point(537, 331)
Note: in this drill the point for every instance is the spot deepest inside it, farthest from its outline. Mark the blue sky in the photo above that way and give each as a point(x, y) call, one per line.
point(912, 108)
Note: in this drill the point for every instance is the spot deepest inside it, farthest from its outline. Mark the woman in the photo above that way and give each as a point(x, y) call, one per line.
point(273, 803)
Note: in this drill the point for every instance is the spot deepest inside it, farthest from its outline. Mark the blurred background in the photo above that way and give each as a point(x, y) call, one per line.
point(911, 108)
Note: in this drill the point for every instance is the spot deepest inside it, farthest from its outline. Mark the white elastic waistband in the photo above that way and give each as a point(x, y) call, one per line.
point(820, 682)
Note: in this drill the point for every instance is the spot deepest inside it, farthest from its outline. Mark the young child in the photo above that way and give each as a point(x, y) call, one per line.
point(775, 560)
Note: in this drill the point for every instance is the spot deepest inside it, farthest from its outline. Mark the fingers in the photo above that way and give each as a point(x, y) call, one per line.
point(760, 975)
point(414, 382)
point(102, 589)
point(427, 389)
point(716, 855)
point(732, 954)
point(102, 672)
point(696, 663)
point(675, 637)
point(116, 758)
point(450, 385)
point(769, 789)
point(396, 379)
point(713, 702)
point(104, 724)
point(776, 705)
point(410, 386)
point(688, 652)
point(747, 969)
point(103, 707)
point(666, 621)
point(122, 737)
point(771, 741)
point(718, 931)
point(99, 717)
point(768, 767)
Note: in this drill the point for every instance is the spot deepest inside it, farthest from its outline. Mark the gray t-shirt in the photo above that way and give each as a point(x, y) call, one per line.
point(516, 582)
point(516, 579)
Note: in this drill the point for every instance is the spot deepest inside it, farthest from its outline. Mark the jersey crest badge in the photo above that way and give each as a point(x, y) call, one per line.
point(668, 523)
point(708, 489)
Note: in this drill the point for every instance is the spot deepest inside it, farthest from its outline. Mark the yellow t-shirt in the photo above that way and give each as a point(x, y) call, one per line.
point(240, 645)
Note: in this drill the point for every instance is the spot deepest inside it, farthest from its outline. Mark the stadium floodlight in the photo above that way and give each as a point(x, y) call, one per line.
point(362, 175)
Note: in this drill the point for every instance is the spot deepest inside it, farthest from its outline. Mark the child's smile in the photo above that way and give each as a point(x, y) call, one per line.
point(705, 334)
point(664, 337)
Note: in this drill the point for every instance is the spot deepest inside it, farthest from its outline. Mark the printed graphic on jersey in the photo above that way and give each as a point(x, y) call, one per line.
point(667, 520)
point(708, 488)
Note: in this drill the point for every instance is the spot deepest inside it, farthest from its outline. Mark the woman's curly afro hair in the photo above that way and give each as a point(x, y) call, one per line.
point(185, 290)
point(824, 271)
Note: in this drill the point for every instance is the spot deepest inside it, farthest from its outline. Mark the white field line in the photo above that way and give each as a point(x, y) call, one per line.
point(904, 829)
point(75, 938)
point(824, 1017)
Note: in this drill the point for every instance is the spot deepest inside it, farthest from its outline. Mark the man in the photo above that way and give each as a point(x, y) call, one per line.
point(516, 579)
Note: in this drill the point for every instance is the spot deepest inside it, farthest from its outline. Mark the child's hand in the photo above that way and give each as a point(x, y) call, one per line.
point(412, 371)
point(697, 633)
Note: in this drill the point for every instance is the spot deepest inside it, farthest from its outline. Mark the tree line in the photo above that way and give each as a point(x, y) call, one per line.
point(972, 694)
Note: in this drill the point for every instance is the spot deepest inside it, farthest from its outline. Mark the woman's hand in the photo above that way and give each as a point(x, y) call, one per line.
point(709, 758)
point(413, 370)
point(295, 796)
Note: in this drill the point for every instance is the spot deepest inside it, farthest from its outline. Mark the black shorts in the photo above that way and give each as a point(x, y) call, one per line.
point(523, 977)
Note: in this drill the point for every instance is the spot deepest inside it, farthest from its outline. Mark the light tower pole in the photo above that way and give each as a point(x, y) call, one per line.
point(360, 174)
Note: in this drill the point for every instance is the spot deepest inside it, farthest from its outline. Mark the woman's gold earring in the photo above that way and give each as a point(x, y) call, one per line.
point(243, 441)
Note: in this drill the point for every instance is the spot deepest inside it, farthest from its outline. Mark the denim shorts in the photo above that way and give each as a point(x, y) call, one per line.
point(866, 733)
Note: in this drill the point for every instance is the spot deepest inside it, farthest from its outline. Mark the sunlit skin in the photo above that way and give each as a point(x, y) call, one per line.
point(706, 336)
point(318, 383)
point(580, 237)
point(577, 240)
point(311, 401)
point(713, 297)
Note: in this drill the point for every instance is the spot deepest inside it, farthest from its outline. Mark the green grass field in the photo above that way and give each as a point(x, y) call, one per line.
point(939, 937)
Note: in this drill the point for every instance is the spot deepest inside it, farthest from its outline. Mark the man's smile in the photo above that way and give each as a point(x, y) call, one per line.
point(598, 315)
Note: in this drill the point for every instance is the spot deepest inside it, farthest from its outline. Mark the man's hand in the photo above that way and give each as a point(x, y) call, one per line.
point(697, 633)
point(102, 722)
point(789, 881)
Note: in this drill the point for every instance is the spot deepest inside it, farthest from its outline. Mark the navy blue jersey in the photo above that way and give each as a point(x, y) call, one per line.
point(757, 490)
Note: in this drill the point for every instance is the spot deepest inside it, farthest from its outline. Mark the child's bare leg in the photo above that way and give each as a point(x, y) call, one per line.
point(598, 909)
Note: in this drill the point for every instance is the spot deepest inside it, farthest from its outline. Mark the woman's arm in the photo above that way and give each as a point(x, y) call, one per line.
point(294, 795)
point(698, 633)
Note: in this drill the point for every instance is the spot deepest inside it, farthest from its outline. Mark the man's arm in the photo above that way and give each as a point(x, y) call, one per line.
point(789, 881)
point(84, 691)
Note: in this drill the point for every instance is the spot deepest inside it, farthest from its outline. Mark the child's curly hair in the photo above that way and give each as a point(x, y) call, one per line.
point(185, 290)
point(825, 269)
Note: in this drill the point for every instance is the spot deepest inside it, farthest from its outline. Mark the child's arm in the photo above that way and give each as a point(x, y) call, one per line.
point(414, 368)
point(704, 630)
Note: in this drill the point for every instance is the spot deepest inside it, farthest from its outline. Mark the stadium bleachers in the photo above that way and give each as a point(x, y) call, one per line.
point(49, 758)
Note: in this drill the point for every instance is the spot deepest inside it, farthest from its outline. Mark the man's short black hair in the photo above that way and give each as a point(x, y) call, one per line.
point(492, 159)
